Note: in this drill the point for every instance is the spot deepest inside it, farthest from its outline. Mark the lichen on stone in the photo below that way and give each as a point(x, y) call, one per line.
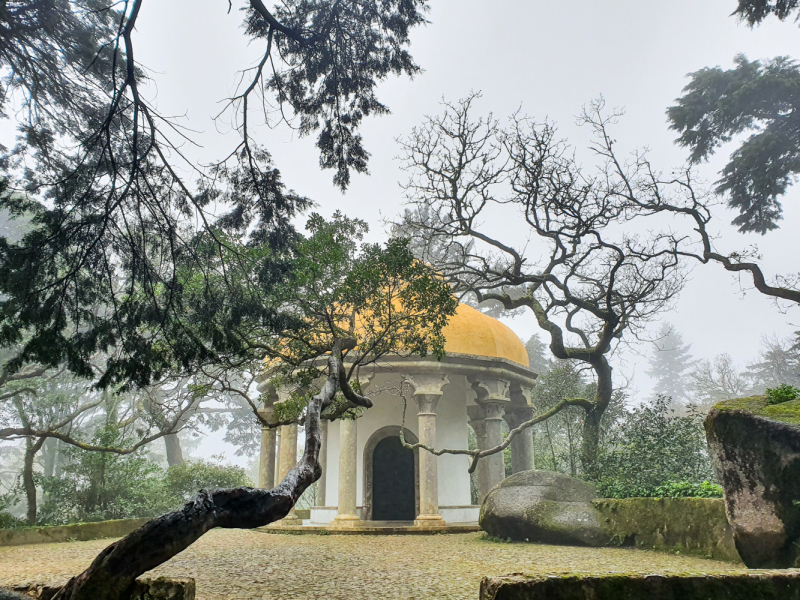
point(784, 412)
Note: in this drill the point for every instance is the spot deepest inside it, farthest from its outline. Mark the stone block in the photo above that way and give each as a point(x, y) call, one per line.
point(147, 588)
point(765, 585)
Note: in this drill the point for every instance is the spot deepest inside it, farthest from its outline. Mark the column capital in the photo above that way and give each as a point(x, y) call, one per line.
point(521, 394)
point(495, 410)
point(514, 415)
point(490, 389)
point(285, 392)
point(492, 395)
point(267, 414)
point(426, 403)
point(365, 379)
point(428, 383)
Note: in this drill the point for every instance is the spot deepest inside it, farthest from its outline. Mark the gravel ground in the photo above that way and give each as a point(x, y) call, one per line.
point(249, 565)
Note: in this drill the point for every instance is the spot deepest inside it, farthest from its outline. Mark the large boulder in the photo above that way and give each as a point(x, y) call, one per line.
point(755, 447)
point(540, 506)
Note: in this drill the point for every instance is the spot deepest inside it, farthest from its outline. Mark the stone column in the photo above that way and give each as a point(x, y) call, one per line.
point(477, 414)
point(277, 454)
point(522, 458)
point(266, 462)
point(323, 462)
point(348, 470)
point(266, 466)
point(492, 395)
point(427, 393)
point(288, 459)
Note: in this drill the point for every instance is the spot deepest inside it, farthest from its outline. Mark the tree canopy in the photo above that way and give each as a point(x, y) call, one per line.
point(760, 98)
point(754, 12)
point(95, 172)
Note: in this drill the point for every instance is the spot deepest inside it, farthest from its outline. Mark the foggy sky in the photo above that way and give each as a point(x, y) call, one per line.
point(549, 58)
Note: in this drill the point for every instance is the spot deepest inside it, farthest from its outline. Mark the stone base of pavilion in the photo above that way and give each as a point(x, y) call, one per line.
point(371, 528)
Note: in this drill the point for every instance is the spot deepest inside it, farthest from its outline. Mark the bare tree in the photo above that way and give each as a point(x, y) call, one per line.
point(587, 273)
point(711, 382)
point(699, 245)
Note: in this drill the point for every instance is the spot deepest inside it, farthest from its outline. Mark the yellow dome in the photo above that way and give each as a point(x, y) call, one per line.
point(472, 332)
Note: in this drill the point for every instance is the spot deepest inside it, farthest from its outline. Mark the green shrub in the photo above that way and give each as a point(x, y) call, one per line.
point(95, 487)
point(99, 487)
point(689, 489)
point(654, 452)
point(9, 521)
point(608, 488)
point(784, 393)
point(185, 480)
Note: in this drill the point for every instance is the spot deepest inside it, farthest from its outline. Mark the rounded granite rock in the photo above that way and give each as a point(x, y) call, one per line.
point(546, 507)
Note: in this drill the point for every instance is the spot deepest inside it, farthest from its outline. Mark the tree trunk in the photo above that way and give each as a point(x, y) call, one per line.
point(591, 423)
point(116, 568)
point(31, 448)
point(591, 442)
point(174, 451)
point(50, 451)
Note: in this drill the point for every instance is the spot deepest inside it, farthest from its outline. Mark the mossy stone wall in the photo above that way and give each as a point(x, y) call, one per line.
point(80, 532)
point(695, 526)
point(764, 585)
point(146, 588)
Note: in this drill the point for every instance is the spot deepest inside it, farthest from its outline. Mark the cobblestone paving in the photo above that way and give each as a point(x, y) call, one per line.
point(249, 565)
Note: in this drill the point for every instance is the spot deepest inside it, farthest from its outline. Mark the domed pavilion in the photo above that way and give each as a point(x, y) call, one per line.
point(368, 476)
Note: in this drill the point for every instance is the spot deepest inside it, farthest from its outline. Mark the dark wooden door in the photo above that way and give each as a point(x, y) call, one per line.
point(392, 481)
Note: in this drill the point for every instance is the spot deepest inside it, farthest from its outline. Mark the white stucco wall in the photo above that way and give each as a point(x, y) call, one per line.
point(451, 432)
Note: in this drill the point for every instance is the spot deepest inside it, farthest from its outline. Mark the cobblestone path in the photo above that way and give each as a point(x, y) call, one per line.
point(249, 565)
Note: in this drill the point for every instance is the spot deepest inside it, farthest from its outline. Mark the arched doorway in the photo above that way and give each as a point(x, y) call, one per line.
point(393, 497)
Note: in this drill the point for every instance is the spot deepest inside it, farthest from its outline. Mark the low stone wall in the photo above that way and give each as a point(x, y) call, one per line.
point(147, 588)
point(696, 526)
point(763, 585)
point(80, 532)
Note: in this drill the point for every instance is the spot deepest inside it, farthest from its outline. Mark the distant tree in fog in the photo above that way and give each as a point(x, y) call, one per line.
point(713, 381)
point(539, 357)
point(778, 363)
point(669, 364)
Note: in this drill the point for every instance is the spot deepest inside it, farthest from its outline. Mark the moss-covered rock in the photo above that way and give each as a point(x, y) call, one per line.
point(755, 447)
point(694, 526)
point(545, 507)
point(783, 412)
point(765, 585)
point(540, 506)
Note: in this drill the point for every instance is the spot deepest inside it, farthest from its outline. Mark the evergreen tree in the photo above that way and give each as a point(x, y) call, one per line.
point(756, 98)
point(538, 355)
point(778, 363)
point(669, 364)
